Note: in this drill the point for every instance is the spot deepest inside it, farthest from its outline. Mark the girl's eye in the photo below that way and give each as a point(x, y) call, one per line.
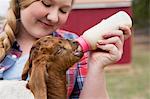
point(46, 3)
point(63, 11)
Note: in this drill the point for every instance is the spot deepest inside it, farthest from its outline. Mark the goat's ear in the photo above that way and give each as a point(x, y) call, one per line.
point(26, 70)
point(37, 81)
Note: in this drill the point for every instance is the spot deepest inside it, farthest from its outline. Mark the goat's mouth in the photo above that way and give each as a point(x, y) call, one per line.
point(78, 53)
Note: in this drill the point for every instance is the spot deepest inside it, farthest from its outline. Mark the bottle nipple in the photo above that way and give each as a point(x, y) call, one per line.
point(84, 45)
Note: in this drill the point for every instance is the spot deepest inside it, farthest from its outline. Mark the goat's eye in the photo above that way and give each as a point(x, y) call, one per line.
point(60, 42)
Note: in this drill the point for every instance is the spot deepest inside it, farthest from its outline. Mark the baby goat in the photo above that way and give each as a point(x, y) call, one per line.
point(50, 58)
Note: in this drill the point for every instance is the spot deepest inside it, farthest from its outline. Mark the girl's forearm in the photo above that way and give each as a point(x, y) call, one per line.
point(95, 85)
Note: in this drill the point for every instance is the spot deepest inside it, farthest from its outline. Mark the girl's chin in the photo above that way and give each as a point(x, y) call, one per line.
point(40, 34)
point(46, 32)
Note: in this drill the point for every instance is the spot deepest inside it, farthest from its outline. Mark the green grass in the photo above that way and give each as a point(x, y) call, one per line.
point(133, 83)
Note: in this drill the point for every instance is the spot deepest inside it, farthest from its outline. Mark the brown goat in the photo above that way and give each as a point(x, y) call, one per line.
point(50, 58)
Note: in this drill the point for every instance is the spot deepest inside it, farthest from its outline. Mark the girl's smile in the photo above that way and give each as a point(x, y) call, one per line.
point(45, 25)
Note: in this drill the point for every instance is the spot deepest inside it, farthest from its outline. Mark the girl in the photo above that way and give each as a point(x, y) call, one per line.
point(28, 20)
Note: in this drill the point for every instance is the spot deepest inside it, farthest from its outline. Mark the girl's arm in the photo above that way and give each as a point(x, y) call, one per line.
point(109, 51)
point(94, 86)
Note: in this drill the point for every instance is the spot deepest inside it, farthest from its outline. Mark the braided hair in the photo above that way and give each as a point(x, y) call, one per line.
point(11, 26)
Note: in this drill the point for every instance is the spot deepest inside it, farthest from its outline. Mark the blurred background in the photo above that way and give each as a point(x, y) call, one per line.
point(129, 78)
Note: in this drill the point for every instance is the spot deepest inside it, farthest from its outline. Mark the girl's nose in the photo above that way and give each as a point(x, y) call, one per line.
point(53, 16)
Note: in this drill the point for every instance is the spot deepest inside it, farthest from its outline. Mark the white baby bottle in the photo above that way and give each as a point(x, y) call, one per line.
point(90, 37)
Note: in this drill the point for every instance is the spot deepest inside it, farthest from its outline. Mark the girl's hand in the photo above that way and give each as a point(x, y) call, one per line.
point(110, 49)
point(126, 31)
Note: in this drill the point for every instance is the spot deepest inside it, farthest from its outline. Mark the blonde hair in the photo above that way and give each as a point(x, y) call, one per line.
point(7, 37)
point(11, 27)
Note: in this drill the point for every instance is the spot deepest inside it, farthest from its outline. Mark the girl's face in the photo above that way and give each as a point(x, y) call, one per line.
point(45, 16)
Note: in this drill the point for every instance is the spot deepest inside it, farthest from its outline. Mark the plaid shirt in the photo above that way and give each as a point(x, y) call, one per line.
point(75, 75)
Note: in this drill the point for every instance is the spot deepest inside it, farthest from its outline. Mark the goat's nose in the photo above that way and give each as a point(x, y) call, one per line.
point(78, 53)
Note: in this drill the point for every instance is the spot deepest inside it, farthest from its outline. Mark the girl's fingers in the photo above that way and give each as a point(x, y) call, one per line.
point(113, 40)
point(126, 31)
point(112, 51)
point(115, 33)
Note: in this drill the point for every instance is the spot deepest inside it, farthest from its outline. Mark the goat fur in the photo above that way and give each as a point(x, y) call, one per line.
point(50, 57)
